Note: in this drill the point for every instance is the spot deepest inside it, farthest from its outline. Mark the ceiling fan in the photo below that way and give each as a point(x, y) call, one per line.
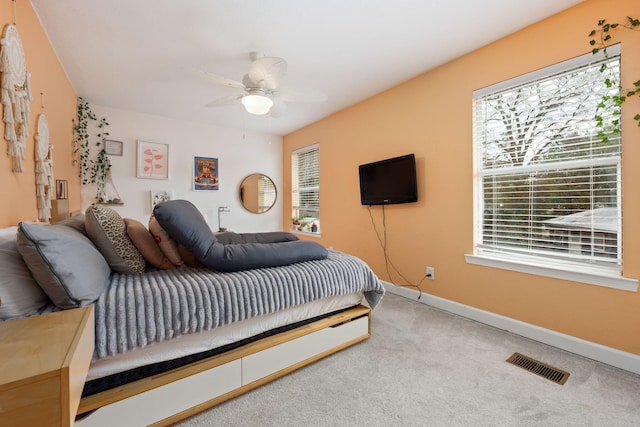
point(261, 92)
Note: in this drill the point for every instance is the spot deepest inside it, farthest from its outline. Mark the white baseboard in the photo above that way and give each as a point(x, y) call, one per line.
point(611, 356)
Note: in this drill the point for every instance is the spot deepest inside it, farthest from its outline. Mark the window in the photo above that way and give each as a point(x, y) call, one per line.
point(305, 197)
point(548, 183)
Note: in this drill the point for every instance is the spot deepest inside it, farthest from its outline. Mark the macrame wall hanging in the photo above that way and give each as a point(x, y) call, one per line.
point(16, 93)
point(44, 166)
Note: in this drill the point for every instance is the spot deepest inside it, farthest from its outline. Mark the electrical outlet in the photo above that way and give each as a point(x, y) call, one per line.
point(431, 273)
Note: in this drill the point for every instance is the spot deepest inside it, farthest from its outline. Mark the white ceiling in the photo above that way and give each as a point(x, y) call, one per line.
point(139, 55)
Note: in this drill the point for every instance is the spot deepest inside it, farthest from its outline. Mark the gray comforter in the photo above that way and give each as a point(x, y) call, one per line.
point(137, 310)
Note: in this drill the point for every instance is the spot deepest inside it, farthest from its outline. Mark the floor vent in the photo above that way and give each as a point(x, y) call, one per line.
point(539, 368)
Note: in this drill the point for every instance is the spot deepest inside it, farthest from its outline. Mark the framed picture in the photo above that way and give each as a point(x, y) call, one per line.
point(62, 189)
point(205, 173)
point(159, 196)
point(153, 160)
point(113, 148)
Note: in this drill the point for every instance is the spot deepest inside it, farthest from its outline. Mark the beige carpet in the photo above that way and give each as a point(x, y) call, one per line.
point(425, 367)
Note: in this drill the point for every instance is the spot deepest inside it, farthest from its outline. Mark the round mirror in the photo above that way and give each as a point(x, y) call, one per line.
point(258, 193)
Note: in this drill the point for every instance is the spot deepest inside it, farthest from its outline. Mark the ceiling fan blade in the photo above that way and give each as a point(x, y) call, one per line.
point(220, 80)
point(295, 95)
point(225, 100)
point(267, 72)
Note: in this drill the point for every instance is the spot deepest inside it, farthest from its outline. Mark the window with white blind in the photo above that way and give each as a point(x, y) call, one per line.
point(305, 197)
point(548, 179)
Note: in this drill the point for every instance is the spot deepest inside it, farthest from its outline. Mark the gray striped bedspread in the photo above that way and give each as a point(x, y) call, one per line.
point(136, 310)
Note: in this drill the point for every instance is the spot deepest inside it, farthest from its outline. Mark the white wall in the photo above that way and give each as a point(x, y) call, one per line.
point(239, 154)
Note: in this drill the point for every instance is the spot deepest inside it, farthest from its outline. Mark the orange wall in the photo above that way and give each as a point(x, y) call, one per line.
point(431, 116)
point(17, 192)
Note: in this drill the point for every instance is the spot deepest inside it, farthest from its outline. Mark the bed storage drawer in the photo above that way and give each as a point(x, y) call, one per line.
point(315, 345)
point(162, 402)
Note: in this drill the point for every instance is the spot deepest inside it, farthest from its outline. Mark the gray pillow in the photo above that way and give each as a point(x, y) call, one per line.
point(107, 230)
point(20, 295)
point(76, 221)
point(185, 224)
point(64, 262)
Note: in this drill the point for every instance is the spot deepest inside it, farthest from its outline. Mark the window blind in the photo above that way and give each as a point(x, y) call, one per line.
point(548, 179)
point(306, 182)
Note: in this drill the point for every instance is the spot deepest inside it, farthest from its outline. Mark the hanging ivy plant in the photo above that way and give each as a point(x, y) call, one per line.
point(94, 164)
point(600, 39)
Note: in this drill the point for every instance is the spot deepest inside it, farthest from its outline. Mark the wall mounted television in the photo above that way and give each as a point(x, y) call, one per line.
point(389, 181)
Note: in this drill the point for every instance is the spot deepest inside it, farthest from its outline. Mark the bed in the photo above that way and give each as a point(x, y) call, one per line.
point(172, 342)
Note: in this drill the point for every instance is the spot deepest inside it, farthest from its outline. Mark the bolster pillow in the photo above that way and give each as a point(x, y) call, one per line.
point(185, 224)
point(227, 237)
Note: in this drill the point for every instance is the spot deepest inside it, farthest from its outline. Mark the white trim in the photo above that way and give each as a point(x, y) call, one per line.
point(306, 233)
point(551, 166)
point(600, 276)
point(611, 356)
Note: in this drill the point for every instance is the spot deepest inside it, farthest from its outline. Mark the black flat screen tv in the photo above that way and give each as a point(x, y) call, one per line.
point(389, 181)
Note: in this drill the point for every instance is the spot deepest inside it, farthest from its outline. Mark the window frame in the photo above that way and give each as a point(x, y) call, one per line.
point(295, 189)
point(603, 275)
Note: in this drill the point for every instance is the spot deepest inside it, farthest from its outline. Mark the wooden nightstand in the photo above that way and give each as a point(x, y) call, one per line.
point(43, 366)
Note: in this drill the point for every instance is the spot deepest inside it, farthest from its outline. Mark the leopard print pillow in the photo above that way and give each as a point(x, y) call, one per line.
point(107, 230)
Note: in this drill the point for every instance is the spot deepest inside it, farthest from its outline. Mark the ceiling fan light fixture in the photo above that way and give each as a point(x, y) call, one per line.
point(257, 104)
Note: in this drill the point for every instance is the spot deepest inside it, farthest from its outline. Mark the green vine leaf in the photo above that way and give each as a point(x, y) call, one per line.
point(599, 40)
point(93, 168)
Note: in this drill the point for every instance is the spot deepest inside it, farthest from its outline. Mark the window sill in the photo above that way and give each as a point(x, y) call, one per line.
point(306, 233)
point(591, 275)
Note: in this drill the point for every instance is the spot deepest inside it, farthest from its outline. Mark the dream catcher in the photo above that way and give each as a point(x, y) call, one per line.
point(15, 95)
point(44, 167)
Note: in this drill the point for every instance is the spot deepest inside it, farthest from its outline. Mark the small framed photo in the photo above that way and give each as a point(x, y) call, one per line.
point(153, 160)
point(113, 148)
point(205, 173)
point(62, 189)
point(159, 196)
